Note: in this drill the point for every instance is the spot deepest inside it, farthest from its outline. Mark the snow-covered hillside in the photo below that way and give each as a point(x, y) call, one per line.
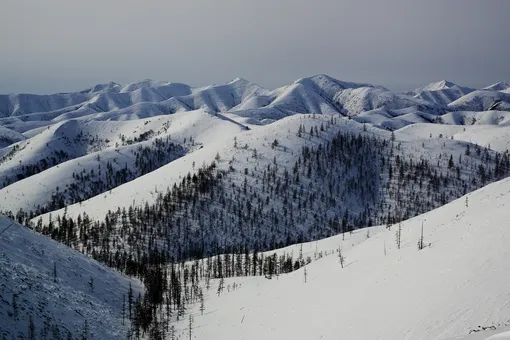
point(482, 101)
point(136, 147)
point(423, 142)
point(39, 133)
point(442, 95)
point(8, 137)
point(456, 285)
point(62, 291)
point(500, 86)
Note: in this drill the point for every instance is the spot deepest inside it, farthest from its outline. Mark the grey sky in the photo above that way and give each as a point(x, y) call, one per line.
point(65, 45)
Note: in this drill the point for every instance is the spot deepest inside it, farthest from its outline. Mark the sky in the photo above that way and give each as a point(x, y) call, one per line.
point(67, 45)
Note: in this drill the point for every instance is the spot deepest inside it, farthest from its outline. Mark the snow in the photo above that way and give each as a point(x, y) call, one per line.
point(495, 137)
point(500, 336)
point(459, 281)
point(27, 260)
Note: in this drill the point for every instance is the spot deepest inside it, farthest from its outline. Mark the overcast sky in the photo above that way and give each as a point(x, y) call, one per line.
point(66, 45)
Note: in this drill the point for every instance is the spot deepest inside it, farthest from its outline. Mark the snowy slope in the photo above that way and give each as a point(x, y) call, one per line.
point(146, 188)
point(445, 96)
point(494, 137)
point(191, 130)
point(482, 100)
point(27, 262)
point(442, 92)
point(501, 86)
point(323, 94)
point(435, 86)
point(8, 137)
point(394, 119)
point(81, 132)
point(476, 118)
point(147, 98)
point(418, 145)
point(457, 283)
point(141, 97)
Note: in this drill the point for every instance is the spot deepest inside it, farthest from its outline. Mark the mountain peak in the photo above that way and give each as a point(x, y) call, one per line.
point(436, 86)
point(238, 80)
point(324, 81)
point(101, 87)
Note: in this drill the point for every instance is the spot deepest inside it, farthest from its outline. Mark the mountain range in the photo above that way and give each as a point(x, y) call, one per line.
point(157, 180)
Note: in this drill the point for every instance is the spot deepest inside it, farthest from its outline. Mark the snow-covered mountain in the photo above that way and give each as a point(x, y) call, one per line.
point(501, 86)
point(317, 94)
point(440, 86)
point(482, 100)
point(93, 153)
point(442, 93)
point(141, 175)
point(384, 176)
point(62, 291)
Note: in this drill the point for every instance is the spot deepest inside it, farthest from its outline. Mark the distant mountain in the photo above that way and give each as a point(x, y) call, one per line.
point(437, 86)
point(317, 94)
point(482, 100)
point(501, 86)
point(441, 93)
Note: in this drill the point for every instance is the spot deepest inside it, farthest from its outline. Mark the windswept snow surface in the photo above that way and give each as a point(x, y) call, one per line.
point(27, 262)
point(458, 282)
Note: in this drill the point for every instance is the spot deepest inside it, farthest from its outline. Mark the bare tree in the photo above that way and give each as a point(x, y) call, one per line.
point(172, 333)
point(341, 257)
point(398, 234)
point(220, 286)
point(421, 245)
point(202, 305)
point(190, 326)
